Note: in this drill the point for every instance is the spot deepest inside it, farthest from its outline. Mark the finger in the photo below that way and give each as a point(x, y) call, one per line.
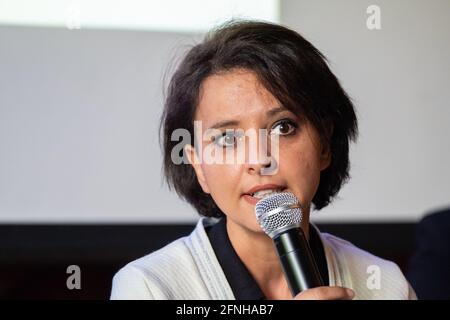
point(326, 293)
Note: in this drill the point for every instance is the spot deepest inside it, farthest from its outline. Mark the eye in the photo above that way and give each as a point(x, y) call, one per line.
point(227, 139)
point(284, 127)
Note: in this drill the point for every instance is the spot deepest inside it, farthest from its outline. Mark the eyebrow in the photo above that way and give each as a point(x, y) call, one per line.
point(226, 123)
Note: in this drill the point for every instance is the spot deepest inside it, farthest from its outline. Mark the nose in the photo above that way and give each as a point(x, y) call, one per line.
point(259, 167)
point(259, 159)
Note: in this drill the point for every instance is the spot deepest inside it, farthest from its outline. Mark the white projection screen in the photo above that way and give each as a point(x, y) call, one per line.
point(81, 94)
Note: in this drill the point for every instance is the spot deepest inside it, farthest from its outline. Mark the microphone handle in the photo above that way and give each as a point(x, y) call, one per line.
point(297, 261)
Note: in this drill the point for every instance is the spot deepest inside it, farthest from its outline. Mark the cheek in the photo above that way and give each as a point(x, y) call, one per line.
point(222, 180)
point(300, 167)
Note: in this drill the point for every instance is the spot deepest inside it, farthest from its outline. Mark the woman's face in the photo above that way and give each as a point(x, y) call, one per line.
point(238, 95)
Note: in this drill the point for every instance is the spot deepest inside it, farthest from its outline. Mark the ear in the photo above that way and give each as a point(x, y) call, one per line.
point(325, 155)
point(191, 154)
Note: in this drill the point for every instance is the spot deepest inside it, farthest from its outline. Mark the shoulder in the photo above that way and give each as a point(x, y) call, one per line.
point(370, 276)
point(143, 278)
point(168, 273)
point(429, 265)
point(433, 232)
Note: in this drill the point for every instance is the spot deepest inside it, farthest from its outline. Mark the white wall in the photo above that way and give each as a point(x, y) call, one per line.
point(399, 79)
point(79, 115)
point(79, 112)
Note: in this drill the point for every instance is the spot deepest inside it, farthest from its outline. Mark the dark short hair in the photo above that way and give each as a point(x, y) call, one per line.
point(290, 68)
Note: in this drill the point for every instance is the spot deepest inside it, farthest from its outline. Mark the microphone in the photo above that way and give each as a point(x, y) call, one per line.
point(280, 215)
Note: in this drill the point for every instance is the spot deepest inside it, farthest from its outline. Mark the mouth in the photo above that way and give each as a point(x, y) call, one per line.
point(254, 197)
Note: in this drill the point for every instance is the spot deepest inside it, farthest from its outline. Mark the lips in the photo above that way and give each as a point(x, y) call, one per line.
point(253, 200)
point(263, 187)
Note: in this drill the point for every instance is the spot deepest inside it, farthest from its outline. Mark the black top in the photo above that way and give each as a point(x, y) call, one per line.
point(242, 284)
point(428, 269)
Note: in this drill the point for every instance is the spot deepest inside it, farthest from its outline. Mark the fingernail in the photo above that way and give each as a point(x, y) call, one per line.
point(350, 292)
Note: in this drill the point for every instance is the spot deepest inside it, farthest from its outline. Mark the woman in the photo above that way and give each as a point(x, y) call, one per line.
point(251, 76)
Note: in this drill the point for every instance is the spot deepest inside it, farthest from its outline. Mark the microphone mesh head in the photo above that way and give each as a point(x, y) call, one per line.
point(271, 220)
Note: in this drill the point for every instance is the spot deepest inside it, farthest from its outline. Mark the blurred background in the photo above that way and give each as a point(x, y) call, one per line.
point(81, 93)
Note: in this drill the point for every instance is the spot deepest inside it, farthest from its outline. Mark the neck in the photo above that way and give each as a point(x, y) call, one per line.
point(257, 251)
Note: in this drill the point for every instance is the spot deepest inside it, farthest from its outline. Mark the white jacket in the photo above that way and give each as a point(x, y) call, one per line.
point(188, 269)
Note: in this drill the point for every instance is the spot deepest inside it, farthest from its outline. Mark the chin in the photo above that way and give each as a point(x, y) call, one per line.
point(248, 223)
point(254, 226)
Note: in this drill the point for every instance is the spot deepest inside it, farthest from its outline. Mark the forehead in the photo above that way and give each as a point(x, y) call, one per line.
point(234, 94)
